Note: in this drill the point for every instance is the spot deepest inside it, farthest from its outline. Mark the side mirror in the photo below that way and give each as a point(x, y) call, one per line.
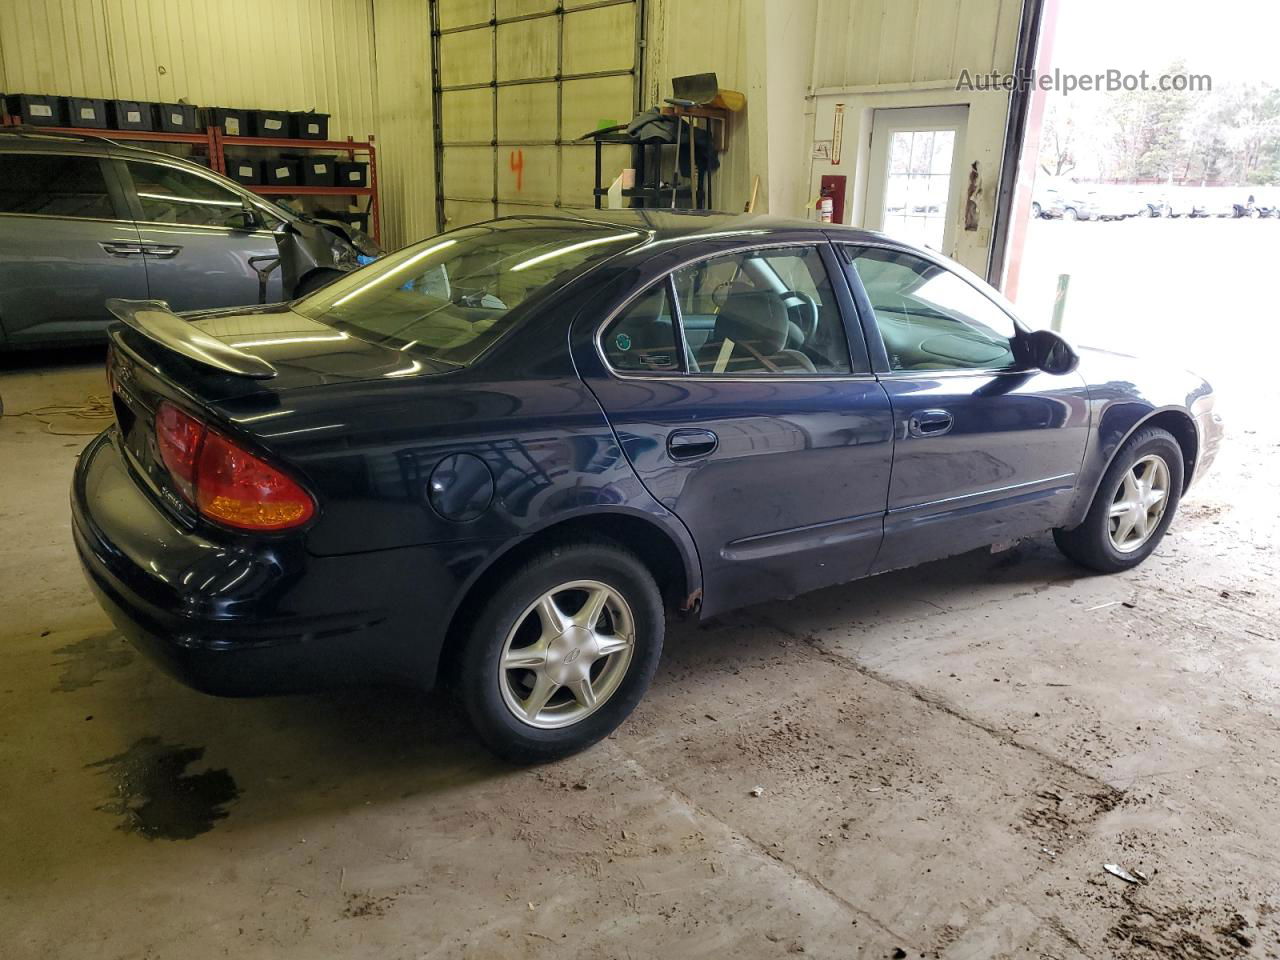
point(1049, 352)
point(248, 218)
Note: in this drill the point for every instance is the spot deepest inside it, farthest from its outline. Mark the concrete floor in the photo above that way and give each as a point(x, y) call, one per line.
point(948, 757)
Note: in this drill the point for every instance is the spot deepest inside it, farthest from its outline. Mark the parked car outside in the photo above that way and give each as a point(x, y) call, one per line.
point(1046, 202)
point(84, 218)
point(507, 454)
point(1064, 200)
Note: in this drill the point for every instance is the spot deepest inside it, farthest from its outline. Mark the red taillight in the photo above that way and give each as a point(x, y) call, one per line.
point(179, 437)
point(225, 482)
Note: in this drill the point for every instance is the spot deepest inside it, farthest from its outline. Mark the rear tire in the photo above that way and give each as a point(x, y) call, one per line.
point(543, 674)
point(1128, 519)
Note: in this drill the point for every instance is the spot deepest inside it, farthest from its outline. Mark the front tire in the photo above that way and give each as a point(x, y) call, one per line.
point(563, 651)
point(1133, 507)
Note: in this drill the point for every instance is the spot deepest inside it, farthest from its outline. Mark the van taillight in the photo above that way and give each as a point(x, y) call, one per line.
point(226, 483)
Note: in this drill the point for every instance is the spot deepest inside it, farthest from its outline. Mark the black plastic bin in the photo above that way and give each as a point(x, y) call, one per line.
point(280, 172)
point(244, 169)
point(87, 112)
point(177, 118)
point(132, 115)
point(271, 123)
point(310, 126)
point(37, 109)
point(234, 123)
point(316, 171)
point(351, 173)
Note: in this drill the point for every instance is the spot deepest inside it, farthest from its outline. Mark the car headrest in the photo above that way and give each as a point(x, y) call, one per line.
point(757, 318)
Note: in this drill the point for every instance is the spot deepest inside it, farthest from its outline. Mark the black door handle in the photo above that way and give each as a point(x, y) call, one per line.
point(930, 423)
point(691, 444)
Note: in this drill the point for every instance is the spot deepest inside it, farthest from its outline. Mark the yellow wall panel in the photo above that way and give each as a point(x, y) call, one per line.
point(406, 158)
point(870, 42)
point(234, 53)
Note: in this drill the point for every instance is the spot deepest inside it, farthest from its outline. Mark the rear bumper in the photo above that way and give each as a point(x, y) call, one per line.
point(241, 618)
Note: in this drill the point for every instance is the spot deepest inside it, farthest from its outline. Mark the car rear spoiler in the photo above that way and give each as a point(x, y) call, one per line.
point(155, 321)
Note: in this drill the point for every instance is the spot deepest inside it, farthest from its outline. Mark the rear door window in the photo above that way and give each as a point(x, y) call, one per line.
point(762, 312)
point(49, 185)
point(642, 339)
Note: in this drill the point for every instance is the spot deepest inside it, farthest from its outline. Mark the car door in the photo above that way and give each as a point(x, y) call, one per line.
point(199, 254)
point(986, 448)
point(67, 243)
point(748, 410)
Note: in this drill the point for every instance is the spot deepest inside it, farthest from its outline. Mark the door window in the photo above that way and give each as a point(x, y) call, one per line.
point(762, 312)
point(918, 186)
point(642, 339)
point(930, 318)
point(49, 185)
point(170, 195)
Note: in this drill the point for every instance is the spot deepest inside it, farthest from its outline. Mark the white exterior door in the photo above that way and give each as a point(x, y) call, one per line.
point(915, 186)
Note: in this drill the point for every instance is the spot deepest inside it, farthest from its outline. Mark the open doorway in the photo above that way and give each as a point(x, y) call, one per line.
point(1154, 213)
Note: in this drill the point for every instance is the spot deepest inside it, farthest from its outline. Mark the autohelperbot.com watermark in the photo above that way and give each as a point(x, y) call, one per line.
point(1066, 83)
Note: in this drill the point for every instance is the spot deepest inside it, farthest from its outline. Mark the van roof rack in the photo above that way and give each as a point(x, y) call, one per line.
point(35, 133)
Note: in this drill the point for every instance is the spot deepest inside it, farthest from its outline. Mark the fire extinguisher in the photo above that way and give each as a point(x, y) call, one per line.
point(826, 209)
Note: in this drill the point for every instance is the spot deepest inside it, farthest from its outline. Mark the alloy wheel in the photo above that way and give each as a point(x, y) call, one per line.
point(1139, 504)
point(567, 654)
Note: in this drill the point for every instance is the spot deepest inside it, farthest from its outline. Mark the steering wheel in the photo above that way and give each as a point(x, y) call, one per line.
point(808, 324)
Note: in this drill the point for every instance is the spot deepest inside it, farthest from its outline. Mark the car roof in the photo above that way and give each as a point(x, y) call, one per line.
point(29, 139)
point(669, 226)
point(668, 229)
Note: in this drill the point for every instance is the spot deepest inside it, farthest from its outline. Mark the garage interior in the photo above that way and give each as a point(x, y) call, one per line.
point(938, 762)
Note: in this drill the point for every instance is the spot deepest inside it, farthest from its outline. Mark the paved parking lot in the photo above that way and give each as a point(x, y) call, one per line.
point(947, 756)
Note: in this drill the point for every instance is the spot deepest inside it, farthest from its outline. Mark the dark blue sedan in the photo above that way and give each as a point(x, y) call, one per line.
point(506, 454)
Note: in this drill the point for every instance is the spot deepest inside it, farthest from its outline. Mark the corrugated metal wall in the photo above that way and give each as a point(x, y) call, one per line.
point(402, 42)
point(693, 36)
point(868, 42)
point(290, 54)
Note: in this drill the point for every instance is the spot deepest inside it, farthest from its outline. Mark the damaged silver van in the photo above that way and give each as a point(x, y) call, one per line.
point(85, 218)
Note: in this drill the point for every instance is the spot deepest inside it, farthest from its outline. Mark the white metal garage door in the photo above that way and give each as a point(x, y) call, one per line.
point(515, 83)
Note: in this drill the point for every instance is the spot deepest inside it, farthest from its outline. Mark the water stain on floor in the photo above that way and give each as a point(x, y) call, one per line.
point(85, 660)
point(157, 799)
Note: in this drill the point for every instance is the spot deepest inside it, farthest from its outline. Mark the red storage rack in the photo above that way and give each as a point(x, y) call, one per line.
point(349, 146)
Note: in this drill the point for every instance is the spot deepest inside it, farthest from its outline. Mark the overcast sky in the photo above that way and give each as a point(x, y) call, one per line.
point(1232, 40)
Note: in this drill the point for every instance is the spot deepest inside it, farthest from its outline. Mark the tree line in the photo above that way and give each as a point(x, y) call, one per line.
point(1228, 135)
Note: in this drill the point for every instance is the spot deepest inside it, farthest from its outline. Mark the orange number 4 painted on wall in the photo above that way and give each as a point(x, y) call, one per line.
point(516, 162)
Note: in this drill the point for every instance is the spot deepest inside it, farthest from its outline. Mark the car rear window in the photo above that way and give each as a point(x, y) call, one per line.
point(452, 296)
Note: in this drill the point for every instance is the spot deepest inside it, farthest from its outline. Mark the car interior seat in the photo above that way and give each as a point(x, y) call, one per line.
point(751, 333)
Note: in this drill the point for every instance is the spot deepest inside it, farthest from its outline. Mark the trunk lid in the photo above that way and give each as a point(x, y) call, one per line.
point(156, 356)
point(302, 353)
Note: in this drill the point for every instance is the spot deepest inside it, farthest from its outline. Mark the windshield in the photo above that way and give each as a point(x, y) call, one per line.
point(452, 296)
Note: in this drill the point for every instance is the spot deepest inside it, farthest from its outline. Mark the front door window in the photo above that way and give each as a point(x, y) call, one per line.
point(930, 318)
